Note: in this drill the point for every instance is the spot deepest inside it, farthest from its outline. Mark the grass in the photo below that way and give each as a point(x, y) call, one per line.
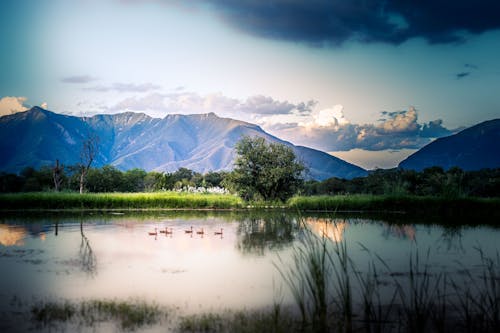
point(129, 315)
point(443, 206)
point(331, 294)
point(156, 200)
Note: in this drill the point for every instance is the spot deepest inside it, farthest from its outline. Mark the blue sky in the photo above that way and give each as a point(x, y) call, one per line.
point(374, 80)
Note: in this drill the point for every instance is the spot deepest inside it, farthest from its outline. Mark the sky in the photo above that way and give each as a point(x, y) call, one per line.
point(369, 81)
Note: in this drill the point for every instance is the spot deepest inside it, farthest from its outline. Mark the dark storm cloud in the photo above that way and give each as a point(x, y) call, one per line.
point(332, 22)
point(77, 79)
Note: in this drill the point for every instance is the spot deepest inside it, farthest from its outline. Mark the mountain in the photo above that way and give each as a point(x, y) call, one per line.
point(201, 142)
point(474, 148)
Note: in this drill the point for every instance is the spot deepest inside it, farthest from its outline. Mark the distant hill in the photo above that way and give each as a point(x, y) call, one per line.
point(201, 142)
point(474, 148)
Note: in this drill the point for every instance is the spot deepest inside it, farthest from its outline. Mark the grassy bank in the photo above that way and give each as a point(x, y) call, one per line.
point(418, 205)
point(157, 200)
point(444, 206)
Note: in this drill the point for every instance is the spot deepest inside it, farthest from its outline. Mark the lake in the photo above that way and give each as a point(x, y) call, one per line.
point(113, 256)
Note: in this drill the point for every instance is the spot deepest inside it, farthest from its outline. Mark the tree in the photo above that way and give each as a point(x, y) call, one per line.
point(267, 171)
point(57, 175)
point(87, 156)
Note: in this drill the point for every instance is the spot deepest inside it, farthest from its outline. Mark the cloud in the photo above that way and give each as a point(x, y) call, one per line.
point(78, 79)
point(44, 105)
point(189, 102)
point(461, 75)
point(329, 130)
point(400, 121)
point(302, 123)
point(434, 129)
point(125, 87)
point(151, 102)
point(11, 105)
point(469, 69)
point(332, 22)
point(266, 105)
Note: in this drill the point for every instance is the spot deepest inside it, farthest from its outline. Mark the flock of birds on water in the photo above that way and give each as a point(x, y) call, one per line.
point(169, 231)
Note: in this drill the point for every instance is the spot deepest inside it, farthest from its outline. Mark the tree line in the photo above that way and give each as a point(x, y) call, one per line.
point(431, 181)
point(106, 179)
point(262, 171)
point(436, 181)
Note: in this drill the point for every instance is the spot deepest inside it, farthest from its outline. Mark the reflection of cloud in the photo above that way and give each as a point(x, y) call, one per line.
point(332, 229)
point(12, 236)
point(404, 231)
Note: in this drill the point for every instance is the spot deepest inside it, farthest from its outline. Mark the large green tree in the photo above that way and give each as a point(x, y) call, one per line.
point(265, 171)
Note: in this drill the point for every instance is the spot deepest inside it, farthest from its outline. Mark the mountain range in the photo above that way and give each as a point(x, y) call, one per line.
point(200, 142)
point(474, 148)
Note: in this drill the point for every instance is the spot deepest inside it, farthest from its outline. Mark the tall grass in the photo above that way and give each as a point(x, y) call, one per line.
point(157, 200)
point(331, 294)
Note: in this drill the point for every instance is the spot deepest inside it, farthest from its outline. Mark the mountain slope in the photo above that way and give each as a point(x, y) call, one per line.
point(474, 148)
point(201, 142)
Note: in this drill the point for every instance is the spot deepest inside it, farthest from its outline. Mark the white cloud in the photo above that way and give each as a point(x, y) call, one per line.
point(330, 117)
point(403, 121)
point(44, 105)
point(11, 105)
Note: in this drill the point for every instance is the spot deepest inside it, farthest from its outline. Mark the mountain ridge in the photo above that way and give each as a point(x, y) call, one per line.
point(201, 142)
point(473, 148)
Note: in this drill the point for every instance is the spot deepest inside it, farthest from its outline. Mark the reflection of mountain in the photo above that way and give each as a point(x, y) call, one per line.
point(12, 236)
point(332, 229)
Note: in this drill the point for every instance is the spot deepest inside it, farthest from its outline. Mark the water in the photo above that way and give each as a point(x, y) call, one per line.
point(112, 255)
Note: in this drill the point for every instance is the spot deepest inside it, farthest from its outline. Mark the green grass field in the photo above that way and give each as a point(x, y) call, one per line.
point(157, 200)
point(487, 207)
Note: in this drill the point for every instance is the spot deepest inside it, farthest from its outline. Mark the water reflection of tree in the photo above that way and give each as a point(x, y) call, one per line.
point(88, 259)
point(259, 233)
point(451, 237)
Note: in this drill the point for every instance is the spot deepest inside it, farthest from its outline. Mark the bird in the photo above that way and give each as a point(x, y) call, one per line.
point(151, 233)
point(189, 231)
point(218, 232)
point(200, 232)
point(164, 231)
point(168, 232)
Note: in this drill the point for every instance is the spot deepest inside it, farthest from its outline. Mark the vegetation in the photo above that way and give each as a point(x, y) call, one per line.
point(108, 179)
point(265, 171)
point(129, 315)
point(432, 181)
point(158, 200)
point(419, 205)
point(454, 183)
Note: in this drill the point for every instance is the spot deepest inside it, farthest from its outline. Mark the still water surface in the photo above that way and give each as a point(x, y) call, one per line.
point(113, 256)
